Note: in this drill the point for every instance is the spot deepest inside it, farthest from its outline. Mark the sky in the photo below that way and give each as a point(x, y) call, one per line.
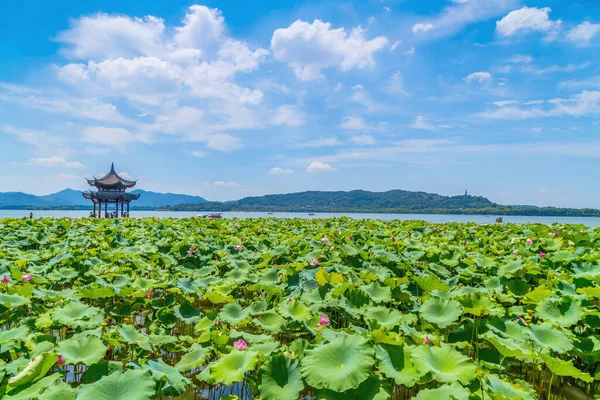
point(227, 99)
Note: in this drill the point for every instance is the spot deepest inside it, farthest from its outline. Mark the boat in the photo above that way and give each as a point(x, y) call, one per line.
point(210, 216)
point(311, 213)
point(270, 212)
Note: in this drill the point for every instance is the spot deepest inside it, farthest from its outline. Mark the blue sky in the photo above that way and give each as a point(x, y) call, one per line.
point(231, 98)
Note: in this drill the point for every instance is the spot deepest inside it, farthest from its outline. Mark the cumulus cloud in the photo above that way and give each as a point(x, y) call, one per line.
point(583, 33)
point(417, 28)
point(396, 84)
point(527, 19)
point(421, 123)
point(108, 136)
point(56, 162)
point(317, 166)
point(480, 76)
point(354, 123)
point(280, 171)
point(520, 58)
point(289, 115)
point(309, 48)
point(199, 154)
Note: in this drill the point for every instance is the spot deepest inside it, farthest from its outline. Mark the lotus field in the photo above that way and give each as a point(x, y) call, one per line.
point(286, 309)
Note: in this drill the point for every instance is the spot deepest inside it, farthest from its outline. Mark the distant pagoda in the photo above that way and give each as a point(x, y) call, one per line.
point(111, 189)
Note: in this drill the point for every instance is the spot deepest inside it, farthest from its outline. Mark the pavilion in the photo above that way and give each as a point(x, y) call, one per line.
point(111, 189)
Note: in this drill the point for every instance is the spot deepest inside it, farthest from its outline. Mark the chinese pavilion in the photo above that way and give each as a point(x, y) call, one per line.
point(111, 189)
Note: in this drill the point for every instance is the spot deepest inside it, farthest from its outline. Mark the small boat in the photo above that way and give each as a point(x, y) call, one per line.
point(211, 216)
point(311, 213)
point(270, 212)
point(499, 220)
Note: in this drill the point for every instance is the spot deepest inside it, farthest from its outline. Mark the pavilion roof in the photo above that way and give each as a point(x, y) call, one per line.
point(111, 196)
point(111, 180)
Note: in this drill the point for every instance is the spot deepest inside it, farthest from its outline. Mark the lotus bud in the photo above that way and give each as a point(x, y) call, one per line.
point(314, 262)
point(150, 294)
point(61, 361)
point(26, 278)
point(426, 340)
point(5, 280)
point(239, 247)
point(542, 255)
point(325, 241)
point(555, 234)
point(240, 345)
point(529, 241)
point(191, 250)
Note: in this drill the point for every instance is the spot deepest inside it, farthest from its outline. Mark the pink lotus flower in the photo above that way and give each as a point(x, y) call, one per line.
point(191, 251)
point(324, 321)
point(240, 345)
point(529, 241)
point(26, 278)
point(426, 340)
point(61, 361)
point(555, 234)
point(150, 294)
point(5, 280)
point(239, 247)
point(314, 262)
point(325, 241)
point(515, 251)
point(393, 239)
point(435, 229)
point(542, 255)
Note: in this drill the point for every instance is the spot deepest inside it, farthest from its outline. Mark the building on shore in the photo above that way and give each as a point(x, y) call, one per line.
point(110, 189)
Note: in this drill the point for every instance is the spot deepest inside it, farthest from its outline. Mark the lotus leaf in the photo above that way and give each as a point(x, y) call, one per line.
point(130, 385)
point(280, 379)
point(82, 348)
point(445, 363)
point(440, 312)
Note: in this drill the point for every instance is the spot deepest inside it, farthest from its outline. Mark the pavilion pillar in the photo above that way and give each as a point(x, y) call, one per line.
point(128, 209)
point(122, 205)
point(105, 208)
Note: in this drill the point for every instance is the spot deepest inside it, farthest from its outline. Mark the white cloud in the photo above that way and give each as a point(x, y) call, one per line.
point(417, 28)
point(455, 17)
point(589, 83)
point(583, 104)
point(199, 154)
point(527, 19)
point(395, 45)
point(226, 184)
point(280, 171)
point(363, 140)
point(583, 33)
point(520, 58)
point(108, 136)
point(421, 123)
point(56, 162)
point(480, 76)
point(555, 68)
point(410, 51)
point(354, 123)
point(202, 28)
point(289, 115)
point(320, 142)
point(504, 103)
point(361, 96)
point(397, 84)
point(37, 138)
point(310, 47)
point(317, 166)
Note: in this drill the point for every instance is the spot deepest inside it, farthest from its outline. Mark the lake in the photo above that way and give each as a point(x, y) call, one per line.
point(436, 218)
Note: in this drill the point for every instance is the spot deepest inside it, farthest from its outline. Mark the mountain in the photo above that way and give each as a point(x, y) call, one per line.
point(70, 198)
point(393, 201)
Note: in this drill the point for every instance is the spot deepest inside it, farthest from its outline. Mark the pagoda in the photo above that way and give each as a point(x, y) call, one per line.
point(111, 189)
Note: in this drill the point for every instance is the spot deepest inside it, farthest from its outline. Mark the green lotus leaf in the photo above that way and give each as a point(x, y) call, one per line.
point(187, 286)
point(563, 312)
point(295, 310)
point(445, 363)
point(32, 391)
point(233, 314)
point(511, 268)
point(193, 359)
point(157, 340)
point(270, 321)
point(548, 337)
point(563, 256)
point(130, 385)
point(340, 365)
point(96, 292)
point(371, 389)
point(13, 335)
point(266, 349)
point(35, 370)
point(565, 368)
point(77, 314)
point(384, 316)
point(169, 378)
point(376, 292)
point(478, 305)
point(187, 313)
point(60, 391)
point(430, 283)
point(134, 337)
point(231, 367)
point(509, 347)
point(12, 300)
point(280, 379)
point(395, 363)
point(449, 392)
point(497, 388)
point(440, 312)
point(81, 348)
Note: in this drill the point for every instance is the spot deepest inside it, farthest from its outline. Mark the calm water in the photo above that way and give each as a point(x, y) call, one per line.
point(427, 217)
